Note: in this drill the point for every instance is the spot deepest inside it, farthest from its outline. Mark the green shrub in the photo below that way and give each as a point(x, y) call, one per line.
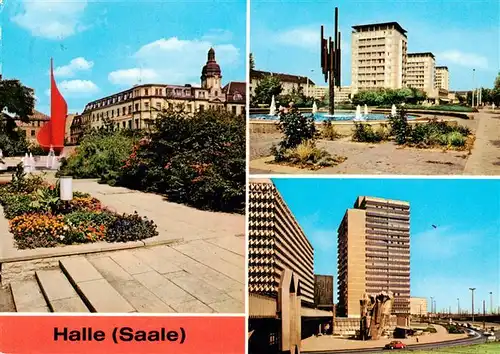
point(130, 228)
point(25, 183)
point(400, 129)
point(19, 204)
point(328, 131)
point(197, 160)
point(455, 139)
point(364, 132)
point(296, 128)
point(307, 155)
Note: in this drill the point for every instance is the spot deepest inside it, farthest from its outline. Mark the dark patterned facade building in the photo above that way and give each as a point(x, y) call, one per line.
point(374, 255)
point(276, 242)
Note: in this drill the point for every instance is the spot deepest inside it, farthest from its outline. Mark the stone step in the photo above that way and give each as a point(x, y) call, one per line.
point(6, 300)
point(95, 291)
point(27, 296)
point(58, 292)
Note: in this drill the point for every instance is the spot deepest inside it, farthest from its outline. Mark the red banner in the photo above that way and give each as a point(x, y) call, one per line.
point(122, 334)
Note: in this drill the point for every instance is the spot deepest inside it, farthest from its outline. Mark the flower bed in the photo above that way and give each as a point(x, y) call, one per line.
point(38, 218)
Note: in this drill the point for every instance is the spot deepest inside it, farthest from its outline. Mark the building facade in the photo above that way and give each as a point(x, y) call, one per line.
point(420, 72)
point(32, 127)
point(442, 78)
point(276, 242)
point(418, 306)
point(289, 83)
point(342, 94)
point(379, 56)
point(139, 106)
point(374, 254)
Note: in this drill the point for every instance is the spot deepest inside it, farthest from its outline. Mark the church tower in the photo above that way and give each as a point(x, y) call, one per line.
point(211, 75)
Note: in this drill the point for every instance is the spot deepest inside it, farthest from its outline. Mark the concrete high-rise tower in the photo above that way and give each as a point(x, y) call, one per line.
point(374, 255)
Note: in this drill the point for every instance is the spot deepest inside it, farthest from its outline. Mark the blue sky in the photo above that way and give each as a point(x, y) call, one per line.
point(462, 34)
point(102, 47)
point(462, 252)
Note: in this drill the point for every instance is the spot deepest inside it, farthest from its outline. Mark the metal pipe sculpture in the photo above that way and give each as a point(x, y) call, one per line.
point(51, 135)
point(330, 61)
point(375, 315)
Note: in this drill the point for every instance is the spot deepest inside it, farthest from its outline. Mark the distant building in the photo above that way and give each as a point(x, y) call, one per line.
point(76, 130)
point(442, 78)
point(289, 82)
point(139, 106)
point(374, 255)
point(420, 70)
point(32, 127)
point(342, 94)
point(418, 306)
point(379, 56)
point(69, 122)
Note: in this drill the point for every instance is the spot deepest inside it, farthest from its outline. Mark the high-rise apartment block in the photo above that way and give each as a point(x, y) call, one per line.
point(418, 306)
point(374, 255)
point(420, 69)
point(276, 242)
point(442, 78)
point(379, 56)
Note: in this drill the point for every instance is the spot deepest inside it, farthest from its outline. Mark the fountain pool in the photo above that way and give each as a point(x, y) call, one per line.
point(337, 117)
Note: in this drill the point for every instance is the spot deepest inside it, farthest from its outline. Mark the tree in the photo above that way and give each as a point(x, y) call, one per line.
point(252, 62)
point(267, 87)
point(19, 101)
point(495, 93)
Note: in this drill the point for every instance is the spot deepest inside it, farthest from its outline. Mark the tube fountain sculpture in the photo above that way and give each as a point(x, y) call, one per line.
point(314, 108)
point(393, 110)
point(366, 110)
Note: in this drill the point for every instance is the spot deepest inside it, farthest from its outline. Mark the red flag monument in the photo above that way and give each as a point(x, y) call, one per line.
point(52, 133)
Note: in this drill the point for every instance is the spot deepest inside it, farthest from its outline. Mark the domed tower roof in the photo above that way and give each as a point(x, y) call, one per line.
point(211, 68)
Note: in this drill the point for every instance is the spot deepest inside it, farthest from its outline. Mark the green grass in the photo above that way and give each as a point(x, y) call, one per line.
point(490, 348)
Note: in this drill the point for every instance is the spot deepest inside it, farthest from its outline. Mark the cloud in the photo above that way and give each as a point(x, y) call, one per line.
point(218, 35)
point(303, 37)
point(80, 88)
point(324, 240)
point(178, 61)
point(75, 65)
point(55, 19)
point(131, 77)
point(469, 60)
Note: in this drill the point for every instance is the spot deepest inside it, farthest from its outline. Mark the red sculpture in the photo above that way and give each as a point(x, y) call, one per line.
point(51, 135)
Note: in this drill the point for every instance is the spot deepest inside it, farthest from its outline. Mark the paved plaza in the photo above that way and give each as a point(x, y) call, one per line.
point(195, 265)
point(388, 158)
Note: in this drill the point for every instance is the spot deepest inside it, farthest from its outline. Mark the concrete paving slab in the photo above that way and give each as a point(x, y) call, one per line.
point(193, 307)
point(109, 269)
point(155, 261)
point(130, 263)
point(238, 295)
point(28, 297)
point(212, 250)
point(200, 289)
point(72, 304)
point(140, 297)
point(55, 285)
point(229, 306)
point(79, 269)
point(163, 288)
point(101, 297)
point(234, 244)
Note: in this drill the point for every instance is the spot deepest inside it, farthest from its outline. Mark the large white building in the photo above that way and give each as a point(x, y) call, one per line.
point(442, 78)
point(420, 72)
point(138, 106)
point(379, 56)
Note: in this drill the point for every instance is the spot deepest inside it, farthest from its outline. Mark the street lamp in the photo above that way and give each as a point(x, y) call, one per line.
point(491, 302)
point(458, 301)
point(432, 303)
point(473, 85)
point(472, 289)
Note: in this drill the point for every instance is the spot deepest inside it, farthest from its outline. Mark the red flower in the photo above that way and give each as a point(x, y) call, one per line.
point(167, 166)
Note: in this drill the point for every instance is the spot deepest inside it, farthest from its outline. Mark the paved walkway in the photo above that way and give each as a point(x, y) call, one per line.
point(336, 343)
point(363, 158)
point(485, 158)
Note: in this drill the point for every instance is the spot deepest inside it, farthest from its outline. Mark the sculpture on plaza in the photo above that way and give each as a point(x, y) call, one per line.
point(375, 314)
point(330, 61)
point(51, 135)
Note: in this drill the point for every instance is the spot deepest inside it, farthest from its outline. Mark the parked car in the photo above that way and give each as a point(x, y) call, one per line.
point(395, 345)
point(491, 338)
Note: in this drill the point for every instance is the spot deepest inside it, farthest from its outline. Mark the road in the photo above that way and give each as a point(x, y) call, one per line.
point(477, 339)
